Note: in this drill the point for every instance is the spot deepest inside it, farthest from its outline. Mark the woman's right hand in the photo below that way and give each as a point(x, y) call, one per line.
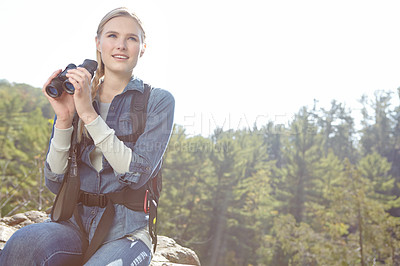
point(63, 106)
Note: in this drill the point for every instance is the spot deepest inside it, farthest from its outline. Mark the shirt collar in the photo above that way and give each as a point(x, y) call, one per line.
point(135, 84)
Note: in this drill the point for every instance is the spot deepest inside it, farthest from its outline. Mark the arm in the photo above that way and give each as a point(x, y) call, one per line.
point(57, 157)
point(135, 166)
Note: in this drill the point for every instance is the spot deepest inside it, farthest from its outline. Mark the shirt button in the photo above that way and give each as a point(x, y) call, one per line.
point(93, 212)
point(112, 108)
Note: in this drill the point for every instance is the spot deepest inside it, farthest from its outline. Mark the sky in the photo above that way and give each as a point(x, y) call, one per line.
point(229, 64)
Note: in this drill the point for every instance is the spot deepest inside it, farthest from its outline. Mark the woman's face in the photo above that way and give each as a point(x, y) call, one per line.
point(120, 45)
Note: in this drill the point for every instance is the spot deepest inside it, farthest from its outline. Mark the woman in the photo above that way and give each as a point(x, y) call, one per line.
point(106, 165)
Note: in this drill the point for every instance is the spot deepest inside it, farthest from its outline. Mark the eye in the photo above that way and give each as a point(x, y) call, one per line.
point(112, 35)
point(133, 38)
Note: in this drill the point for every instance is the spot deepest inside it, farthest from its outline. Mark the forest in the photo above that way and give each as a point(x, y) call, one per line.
point(322, 190)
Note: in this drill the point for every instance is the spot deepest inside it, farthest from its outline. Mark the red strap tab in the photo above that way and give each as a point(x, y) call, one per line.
point(146, 206)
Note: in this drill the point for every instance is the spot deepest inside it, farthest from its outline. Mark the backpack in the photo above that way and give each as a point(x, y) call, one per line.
point(143, 199)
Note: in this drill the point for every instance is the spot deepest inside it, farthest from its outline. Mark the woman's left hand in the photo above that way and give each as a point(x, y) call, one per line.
point(81, 80)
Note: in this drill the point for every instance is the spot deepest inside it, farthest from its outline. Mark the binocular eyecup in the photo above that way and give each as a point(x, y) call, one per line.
point(61, 83)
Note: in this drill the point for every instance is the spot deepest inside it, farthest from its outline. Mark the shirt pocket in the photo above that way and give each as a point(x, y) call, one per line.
point(125, 125)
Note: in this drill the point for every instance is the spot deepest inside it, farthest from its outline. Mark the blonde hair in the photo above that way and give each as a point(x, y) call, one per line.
point(118, 12)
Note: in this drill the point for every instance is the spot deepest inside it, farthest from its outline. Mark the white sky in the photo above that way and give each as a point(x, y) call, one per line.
point(228, 63)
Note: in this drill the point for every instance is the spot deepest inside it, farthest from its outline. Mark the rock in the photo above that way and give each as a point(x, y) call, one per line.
point(37, 216)
point(5, 233)
point(168, 252)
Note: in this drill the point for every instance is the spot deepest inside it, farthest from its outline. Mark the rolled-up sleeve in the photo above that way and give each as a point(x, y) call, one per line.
point(53, 181)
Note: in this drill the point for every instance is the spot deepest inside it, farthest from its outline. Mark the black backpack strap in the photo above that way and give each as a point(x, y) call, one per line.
point(139, 106)
point(67, 197)
point(138, 113)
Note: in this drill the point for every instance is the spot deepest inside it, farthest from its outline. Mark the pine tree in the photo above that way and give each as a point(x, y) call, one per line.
point(297, 175)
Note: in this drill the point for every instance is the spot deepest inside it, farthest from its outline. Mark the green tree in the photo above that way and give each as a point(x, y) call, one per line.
point(250, 209)
point(376, 169)
point(336, 125)
point(187, 189)
point(24, 136)
point(377, 132)
point(297, 175)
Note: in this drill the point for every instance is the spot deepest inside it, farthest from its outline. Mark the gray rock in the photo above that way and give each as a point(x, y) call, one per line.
point(168, 252)
point(15, 219)
point(37, 216)
point(5, 233)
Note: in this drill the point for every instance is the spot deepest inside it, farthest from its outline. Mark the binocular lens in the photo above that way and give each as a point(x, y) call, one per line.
point(52, 92)
point(68, 87)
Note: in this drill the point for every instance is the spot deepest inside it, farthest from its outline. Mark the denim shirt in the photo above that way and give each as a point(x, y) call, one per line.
point(146, 159)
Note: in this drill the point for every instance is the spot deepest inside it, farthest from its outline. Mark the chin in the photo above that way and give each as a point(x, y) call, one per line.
point(121, 70)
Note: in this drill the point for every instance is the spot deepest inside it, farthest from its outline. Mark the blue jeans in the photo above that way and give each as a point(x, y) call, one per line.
point(51, 243)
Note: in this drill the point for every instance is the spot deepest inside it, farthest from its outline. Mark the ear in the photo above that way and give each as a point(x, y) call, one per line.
point(97, 44)
point(143, 49)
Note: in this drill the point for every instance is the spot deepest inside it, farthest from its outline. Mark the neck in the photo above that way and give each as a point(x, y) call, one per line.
point(116, 82)
point(113, 85)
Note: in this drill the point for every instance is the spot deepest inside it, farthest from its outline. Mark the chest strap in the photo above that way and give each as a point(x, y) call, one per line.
point(132, 199)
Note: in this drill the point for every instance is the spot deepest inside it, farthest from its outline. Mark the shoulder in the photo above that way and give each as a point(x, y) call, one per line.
point(158, 95)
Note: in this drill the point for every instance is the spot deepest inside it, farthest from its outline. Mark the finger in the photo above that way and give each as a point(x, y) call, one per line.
point(80, 71)
point(85, 71)
point(80, 75)
point(75, 83)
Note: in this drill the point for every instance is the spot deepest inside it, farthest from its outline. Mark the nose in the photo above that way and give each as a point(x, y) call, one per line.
point(121, 44)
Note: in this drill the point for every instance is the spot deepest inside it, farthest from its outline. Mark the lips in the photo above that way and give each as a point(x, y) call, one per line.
point(120, 56)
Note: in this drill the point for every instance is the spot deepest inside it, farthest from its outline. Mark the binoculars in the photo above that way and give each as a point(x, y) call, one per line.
point(61, 83)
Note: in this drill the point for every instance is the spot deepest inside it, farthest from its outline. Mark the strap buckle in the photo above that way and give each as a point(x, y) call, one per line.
point(92, 199)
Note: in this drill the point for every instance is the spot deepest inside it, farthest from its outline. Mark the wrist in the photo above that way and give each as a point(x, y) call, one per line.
point(63, 124)
point(88, 117)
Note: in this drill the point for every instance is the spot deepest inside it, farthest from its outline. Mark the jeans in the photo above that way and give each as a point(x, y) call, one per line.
point(51, 243)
